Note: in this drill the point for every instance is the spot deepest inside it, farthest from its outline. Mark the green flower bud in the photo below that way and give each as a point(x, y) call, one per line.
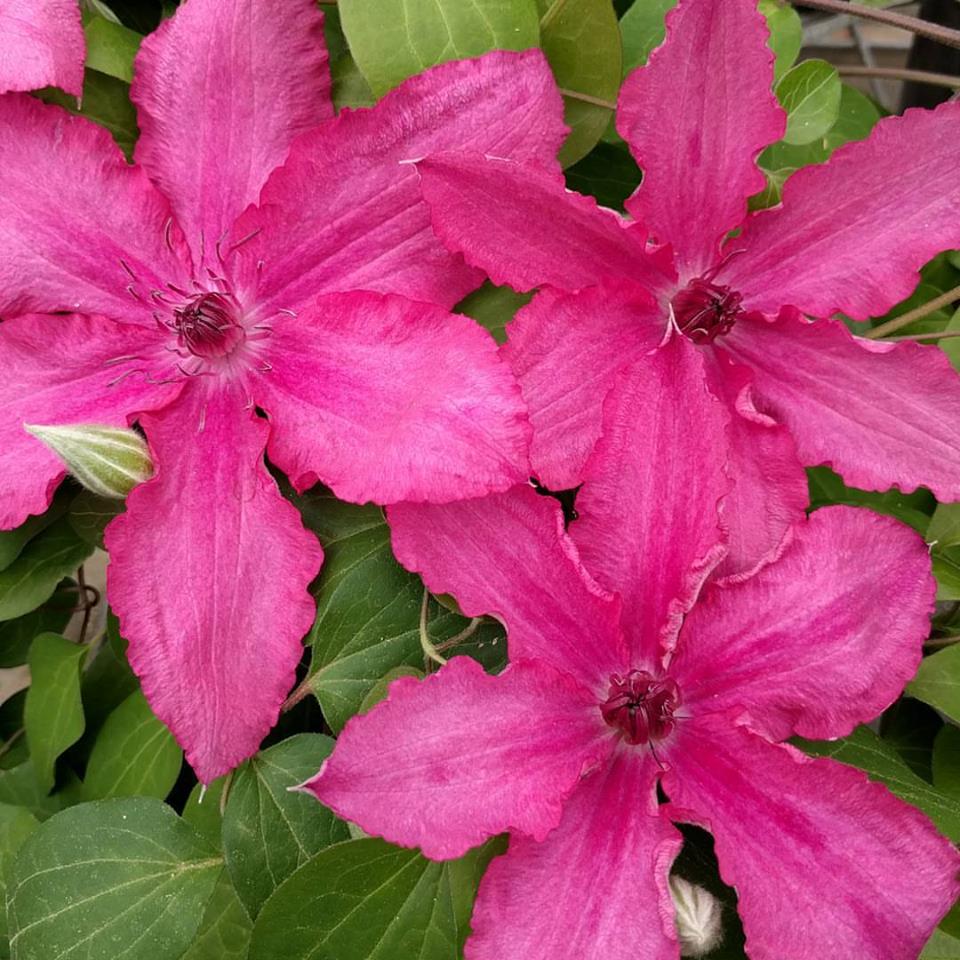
point(109, 461)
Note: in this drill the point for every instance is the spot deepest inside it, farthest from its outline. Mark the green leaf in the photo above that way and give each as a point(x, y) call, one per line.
point(107, 678)
point(866, 751)
point(910, 726)
point(493, 307)
point(944, 528)
point(785, 158)
point(938, 681)
point(950, 924)
point(946, 568)
point(31, 579)
point(642, 30)
point(772, 193)
point(224, 932)
point(16, 824)
point(53, 715)
point(123, 879)
point(89, 515)
point(391, 40)
point(856, 118)
point(17, 635)
point(465, 875)
point(581, 40)
point(378, 691)
point(19, 787)
point(106, 101)
point(810, 94)
point(368, 607)
point(951, 345)
point(608, 173)
point(946, 761)
point(360, 900)
point(333, 33)
point(111, 47)
point(13, 541)
point(914, 509)
point(202, 809)
point(134, 755)
point(350, 89)
point(941, 946)
point(786, 34)
point(268, 830)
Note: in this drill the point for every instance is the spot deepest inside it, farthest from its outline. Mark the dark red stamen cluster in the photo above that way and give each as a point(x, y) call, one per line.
point(641, 706)
point(704, 310)
point(207, 325)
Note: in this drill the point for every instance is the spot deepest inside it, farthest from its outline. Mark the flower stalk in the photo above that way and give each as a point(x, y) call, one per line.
point(922, 28)
point(917, 313)
point(895, 73)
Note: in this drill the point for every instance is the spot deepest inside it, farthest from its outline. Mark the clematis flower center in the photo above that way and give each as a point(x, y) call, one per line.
point(704, 310)
point(208, 325)
point(641, 706)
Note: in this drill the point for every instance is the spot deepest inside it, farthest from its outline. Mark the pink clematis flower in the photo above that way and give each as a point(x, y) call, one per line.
point(324, 306)
point(849, 236)
point(606, 695)
point(41, 45)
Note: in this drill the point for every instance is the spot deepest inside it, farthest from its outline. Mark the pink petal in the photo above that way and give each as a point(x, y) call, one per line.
point(696, 117)
point(770, 491)
point(209, 569)
point(345, 212)
point(596, 888)
point(387, 399)
point(821, 640)
point(447, 762)
point(880, 413)
point(41, 45)
point(522, 227)
point(649, 528)
point(825, 863)
point(852, 233)
point(508, 555)
point(222, 88)
point(72, 213)
point(565, 350)
point(57, 370)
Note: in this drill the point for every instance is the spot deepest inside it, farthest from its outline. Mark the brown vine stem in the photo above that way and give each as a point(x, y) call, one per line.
point(898, 323)
point(933, 335)
point(11, 740)
point(465, 634)
point(922, 28)
point(586, 98)
point(429, 650)
point(894, 73)
point(87, 605)
point(940, 642)
point(225, 792)
point(297, 695)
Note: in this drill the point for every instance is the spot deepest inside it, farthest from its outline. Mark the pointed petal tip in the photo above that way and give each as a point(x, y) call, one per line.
point(220, 686)
point(446, 417)
point(503, 753)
